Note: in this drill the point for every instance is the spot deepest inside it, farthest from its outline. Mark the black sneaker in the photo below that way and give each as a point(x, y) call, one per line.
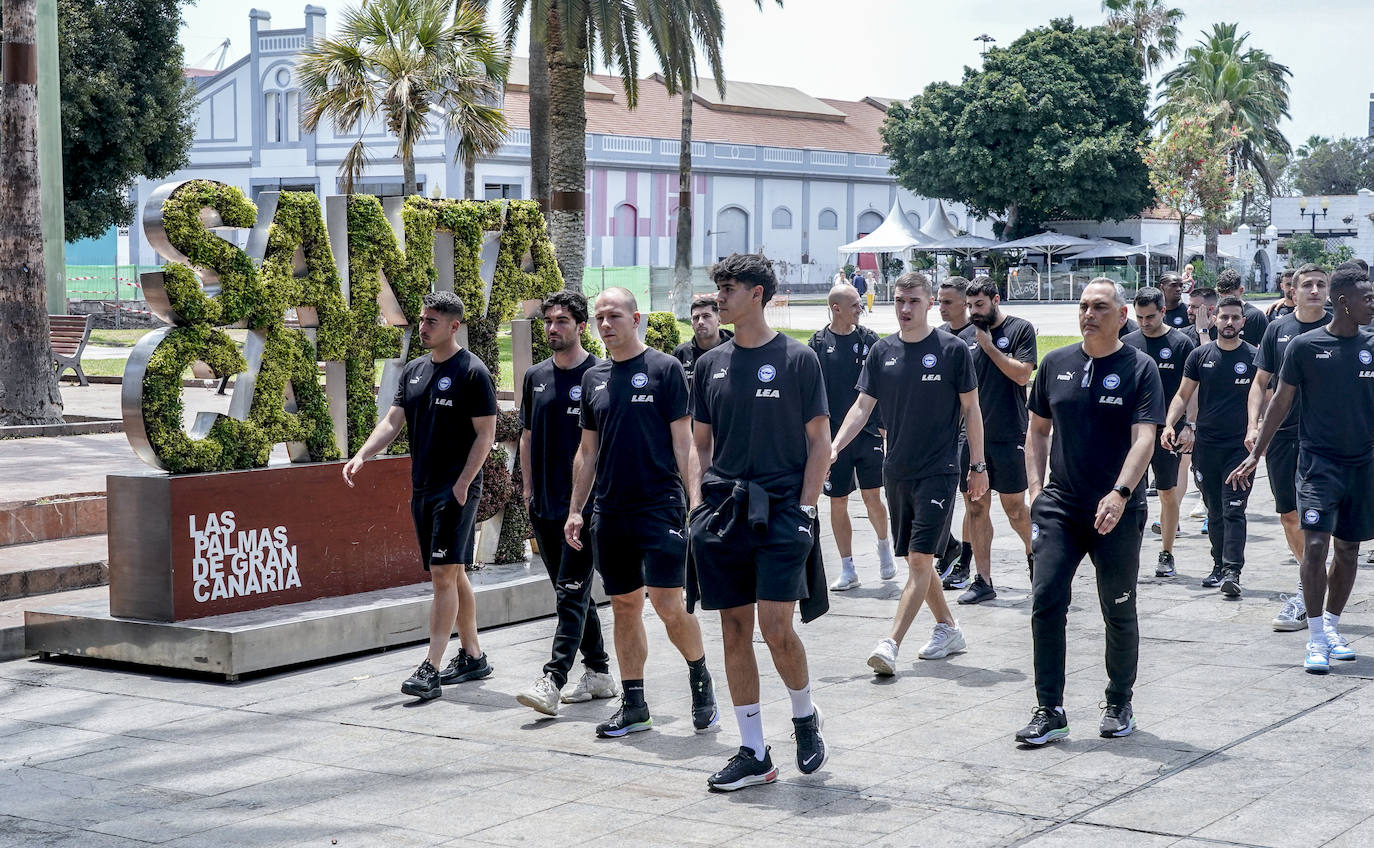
point(627, 719)
point(705, 715)
point(1165, 566)
point(978, 591)
point(1213, 580)
point(950, 559)
point(811, 753)
point(424, 683)
point(957, 579)
point(744, 769)
point(1117, 720)
point(1046, 725)
point(1230, 583)
point(463, 668)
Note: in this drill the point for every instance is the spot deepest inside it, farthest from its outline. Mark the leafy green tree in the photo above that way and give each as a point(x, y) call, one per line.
point(1152, 26)
point(1050, 127)
point(402, 61)
point(126, 108)
point(1189, 167)
point(1339, 166)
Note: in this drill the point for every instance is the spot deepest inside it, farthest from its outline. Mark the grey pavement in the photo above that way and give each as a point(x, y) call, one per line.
point(1236, 746)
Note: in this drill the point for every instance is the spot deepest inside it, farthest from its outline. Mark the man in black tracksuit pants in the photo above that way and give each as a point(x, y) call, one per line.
point(1100, 402)
point(550, 403)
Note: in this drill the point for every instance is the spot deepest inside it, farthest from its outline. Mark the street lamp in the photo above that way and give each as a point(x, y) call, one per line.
point(1302, 210)
point(986, 39)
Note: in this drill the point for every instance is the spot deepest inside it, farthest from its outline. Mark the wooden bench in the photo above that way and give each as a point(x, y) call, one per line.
point(68, 335)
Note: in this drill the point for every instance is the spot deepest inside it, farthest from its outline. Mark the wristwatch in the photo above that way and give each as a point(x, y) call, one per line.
point(978, 467)
point(1123, 491)
point(809, 510)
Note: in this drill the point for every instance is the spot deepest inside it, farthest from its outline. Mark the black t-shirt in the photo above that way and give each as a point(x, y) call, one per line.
point(1223, 380)
point(1092, 404)
point(758, 401)
point(1255, 325)
point(1269, 357)
point(1177, 318)
point(1278, 310)
point(1169, 352)
point(1001, 399)
point(440, 400)
point(689, 352)
point(1126, 329)
point(632, 404)
point(841, 359)
point(917, 385)
point(550, 406)
point(1335, 382)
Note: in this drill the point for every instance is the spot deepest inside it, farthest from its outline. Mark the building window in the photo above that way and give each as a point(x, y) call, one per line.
point(502, 191)
point(828, 220)
point(782, 218)
point(271, 117)
point(281, 117)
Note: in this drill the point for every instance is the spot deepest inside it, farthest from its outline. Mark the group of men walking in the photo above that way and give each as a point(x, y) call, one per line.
point(695, 477)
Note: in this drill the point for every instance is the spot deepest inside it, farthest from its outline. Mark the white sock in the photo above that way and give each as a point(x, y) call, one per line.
point(1330, 620)
point(1315, 630)
point(847, 564)
point(885, 549)
point(750, 720)
point(801, 702)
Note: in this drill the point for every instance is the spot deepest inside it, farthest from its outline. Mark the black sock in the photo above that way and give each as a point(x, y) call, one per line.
point(634, 692)
point(697, 666)
point(965, 553)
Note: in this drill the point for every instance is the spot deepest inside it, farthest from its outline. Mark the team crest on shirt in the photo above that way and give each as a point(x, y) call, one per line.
point(1166, 353)
point(856, 347)
point(1365, 357)
point(1240, 367)
point(1311, 516)
point(1004, 342)
point(639, 380)
point(1111, 381)
point(444, 383)
point(767, 373)
point(1178, 320)
point(575, 393)
point(1035, 532)
point(928, 360)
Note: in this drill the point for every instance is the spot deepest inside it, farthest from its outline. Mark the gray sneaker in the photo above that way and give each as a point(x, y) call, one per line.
point(1293, 615)
point(594, 684)
point(945, 639)
point(978, 591)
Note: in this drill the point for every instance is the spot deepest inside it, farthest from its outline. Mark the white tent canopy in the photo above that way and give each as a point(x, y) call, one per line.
point(939, 227)
point(894, 235)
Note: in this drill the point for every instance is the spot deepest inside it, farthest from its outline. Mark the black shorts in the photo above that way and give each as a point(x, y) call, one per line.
point(1281, 461)
point(1006, 466)
point(1164, 466)
point(638, 549)
point(1336, 497)
point(860, 462)
point(920, 511)
point(446, 531)
point(745, 566)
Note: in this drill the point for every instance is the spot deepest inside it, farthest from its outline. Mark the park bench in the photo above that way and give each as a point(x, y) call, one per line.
point(68, 335)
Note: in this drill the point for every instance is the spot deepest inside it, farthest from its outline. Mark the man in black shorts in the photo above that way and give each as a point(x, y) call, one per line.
point(1175, 308)
point(842, 346)
point(1219, 373)
point(953, 566)
point(1004, 356)
point(923, 380)
point(635, 441)
point(706, 333)
point(1310, 284)
point(1330, 372)
point(1094, 410)
point(447, 402)
point(762, 436)
point(1229, 283)
point(1168, 349)
point(550, 406)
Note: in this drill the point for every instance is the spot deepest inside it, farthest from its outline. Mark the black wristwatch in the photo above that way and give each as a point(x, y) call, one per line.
point(1123, 491)
point(978, 467)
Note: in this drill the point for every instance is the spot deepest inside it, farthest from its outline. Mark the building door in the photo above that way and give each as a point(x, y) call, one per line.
point(868, 222)
point(625, 250)
point(732, 232)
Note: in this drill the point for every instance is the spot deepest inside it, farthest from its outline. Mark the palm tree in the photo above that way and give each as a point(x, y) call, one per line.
point(480, 121)
point(401, 61)
point(1152, 25)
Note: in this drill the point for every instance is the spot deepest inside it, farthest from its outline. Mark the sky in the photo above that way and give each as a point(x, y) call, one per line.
point(849, 49)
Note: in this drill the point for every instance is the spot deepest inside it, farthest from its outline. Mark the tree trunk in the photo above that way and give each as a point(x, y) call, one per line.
point(28, 381)
point(682, 257)
point(539, 124)
point(408, 185)
point(1013, 213)
point(469, 177)
point(567, 151)
point(1211, 228)
point(1182, 224)
point(1244, 206)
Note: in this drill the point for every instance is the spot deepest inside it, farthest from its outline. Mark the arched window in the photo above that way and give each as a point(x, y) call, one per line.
point(782, 218)
point(625, 236)
point(869, 221)
point(281, 109)
point(915, 220)
point(828, 220)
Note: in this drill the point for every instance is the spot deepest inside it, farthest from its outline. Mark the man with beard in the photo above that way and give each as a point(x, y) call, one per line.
point(447, 402)
point(1330, 371)
point(550, 405)
point(1220, 373)
point(1229, 282)
point(1310, 285)
point(951, 300)
point(842, 346)
point(1286, 304)
point(706, 334)
point(1168, 349)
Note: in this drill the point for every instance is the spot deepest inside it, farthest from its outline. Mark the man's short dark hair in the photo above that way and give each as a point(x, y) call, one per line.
point(1354, 263)
point(751, 269)
point(1228, 281)
point(445, 303)
point(1309, 268)
point(1287, 275)
point(704, 301)
point(1205, 293)
point(1169, 277)
point(1150, 296)
point(914, 280)
point(1344, 280)
point(1231, 300)
point(574, 302)
point(982, 287)
point(957, 283)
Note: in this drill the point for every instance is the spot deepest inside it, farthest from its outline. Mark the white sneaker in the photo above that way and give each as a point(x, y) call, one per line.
point(944, 640)
point(542, 696)
point(1199, 511)
point(594, 684)
point(887, 568)
point(1293, 616)
point(846, 581)
point(1340, 646)
point(1318, 659)
point(883, 660)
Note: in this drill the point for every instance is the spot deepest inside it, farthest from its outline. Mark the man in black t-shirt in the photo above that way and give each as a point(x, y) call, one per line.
point(635, 442)
point(1229, 282)
point(447, 402)
point(1094, 409)
point(954, 565)
point(1004, 356)
point(1330, 371)
point(922, 378)
point(842, 346)
point(1175, 309)
point(706, 333)
point(1202, 306)
point(1168, 349)
point(762, 437)
point(1310, 285)
point(1286, 304)
point(550, 407)
point(1220, 373)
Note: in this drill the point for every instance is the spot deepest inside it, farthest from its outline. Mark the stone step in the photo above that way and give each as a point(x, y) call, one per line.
point(12, 616)
point(40, 568)
point(53, 517)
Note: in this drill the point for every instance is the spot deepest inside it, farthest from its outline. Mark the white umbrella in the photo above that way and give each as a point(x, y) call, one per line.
point(1048, 243)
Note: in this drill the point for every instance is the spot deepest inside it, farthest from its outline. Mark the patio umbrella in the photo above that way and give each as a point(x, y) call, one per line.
point(1048, 243)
